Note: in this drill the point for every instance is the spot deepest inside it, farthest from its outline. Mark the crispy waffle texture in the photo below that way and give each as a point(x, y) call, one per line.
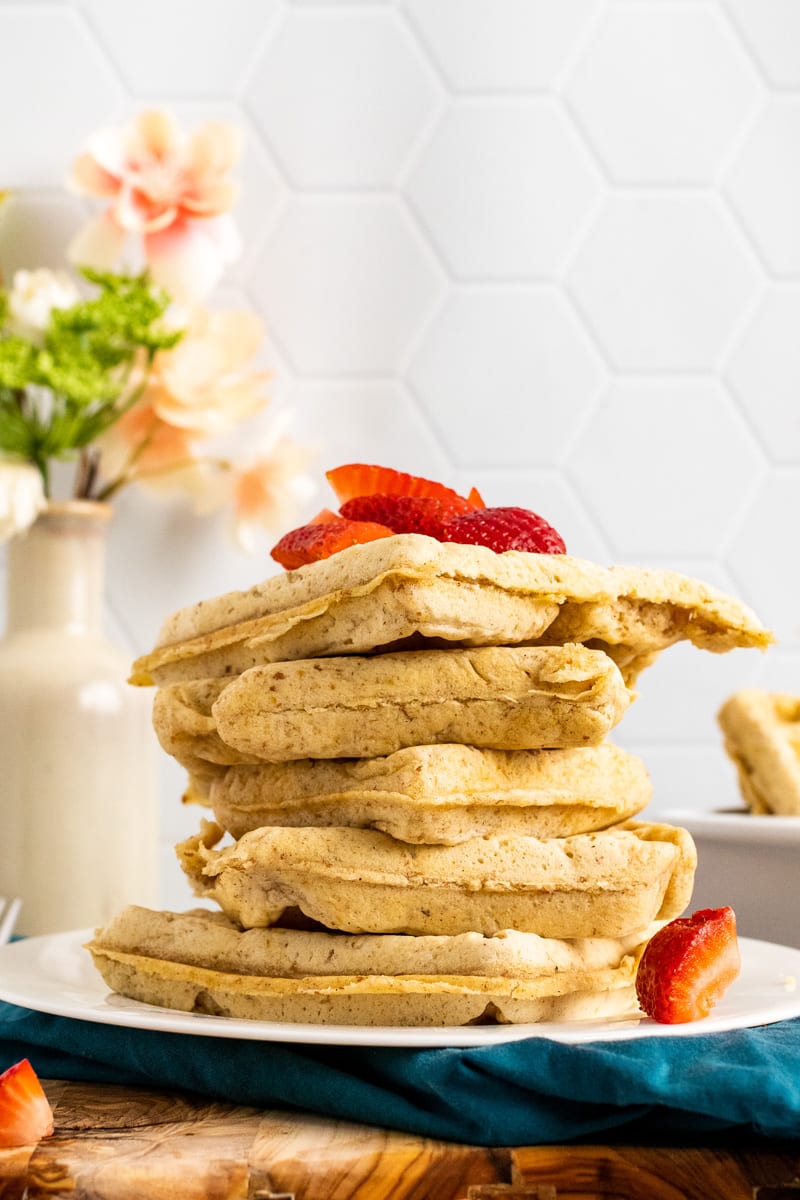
point(201, 962)
point(507, 698)
point(380, 594)
point(762, 736)
point(360, 881)
point(439, 794)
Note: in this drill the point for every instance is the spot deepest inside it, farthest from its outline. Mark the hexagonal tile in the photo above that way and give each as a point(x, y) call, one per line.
point(761, 556)
point(182, 49)
point(505, 376)
point(770, 395)
point(680, 695)
point(503, 189)
point(342, 97)
point(643, 463)
point(772, 30)
point(50, 49)
point(500, 44)
point(35, 231)
point(693, 88)
point(364, 422)
point(663, 280)
point(547, 493)
point(764, 185)
point(345, 284)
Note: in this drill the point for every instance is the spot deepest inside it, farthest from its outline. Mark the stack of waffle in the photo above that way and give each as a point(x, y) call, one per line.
point(418, 817)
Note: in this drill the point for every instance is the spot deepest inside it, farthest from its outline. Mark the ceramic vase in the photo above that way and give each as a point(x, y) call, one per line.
point(78, 783)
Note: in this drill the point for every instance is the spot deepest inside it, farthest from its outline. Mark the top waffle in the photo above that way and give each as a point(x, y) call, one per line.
point(379, 595)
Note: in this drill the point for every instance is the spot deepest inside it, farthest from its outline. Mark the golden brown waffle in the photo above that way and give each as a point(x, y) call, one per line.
point(380, 594)
point(200, 962)
point(446, 794)
point(762, 736)
point(506, 698)
point(360, 881)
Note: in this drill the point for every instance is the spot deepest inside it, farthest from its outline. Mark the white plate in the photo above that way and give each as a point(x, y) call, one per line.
point(54, 974)
point(738, 826)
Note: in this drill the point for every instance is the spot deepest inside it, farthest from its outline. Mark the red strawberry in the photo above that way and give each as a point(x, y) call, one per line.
point(309, 543)
point(407, 514)
point(688, 965)
point(25, 1113)
point(505, 529)
point(364, 479)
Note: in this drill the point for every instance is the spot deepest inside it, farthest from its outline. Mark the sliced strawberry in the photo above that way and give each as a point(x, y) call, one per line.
point(310, 543)
point(688, 965)
point(504, 529)
point(407, 514)
point(475, 498)
point(25, 1112)
point(364, 479)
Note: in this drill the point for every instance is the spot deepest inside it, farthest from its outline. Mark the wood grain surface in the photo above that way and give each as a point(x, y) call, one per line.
point(114, 1143)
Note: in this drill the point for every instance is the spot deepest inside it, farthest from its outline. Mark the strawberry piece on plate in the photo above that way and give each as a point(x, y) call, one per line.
point(309, 543)
point(688, 966)
point(407, 514)
point(25, 1112)
point(365, 479)
point(504, 529)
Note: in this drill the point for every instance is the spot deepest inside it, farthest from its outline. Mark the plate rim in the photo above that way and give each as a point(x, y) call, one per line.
point(137, 1015)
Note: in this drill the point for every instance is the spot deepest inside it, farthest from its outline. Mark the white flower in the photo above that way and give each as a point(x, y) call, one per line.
point(33, 296)
point(21, 496)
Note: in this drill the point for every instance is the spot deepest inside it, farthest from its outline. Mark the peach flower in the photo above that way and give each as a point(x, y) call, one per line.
point(268, 489)
point(168, 188)
point(205, 383)
point(139, 443)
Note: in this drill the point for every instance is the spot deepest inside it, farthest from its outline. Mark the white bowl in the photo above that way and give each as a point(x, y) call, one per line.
point(753, 864)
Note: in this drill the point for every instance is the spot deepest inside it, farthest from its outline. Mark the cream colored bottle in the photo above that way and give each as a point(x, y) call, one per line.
point(78, 785)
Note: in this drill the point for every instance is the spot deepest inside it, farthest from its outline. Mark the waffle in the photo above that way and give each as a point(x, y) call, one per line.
point(762, 736)
point(446, 794)
point(506, 698)
point(361, 881)
point(200, 962)
point(380, 595)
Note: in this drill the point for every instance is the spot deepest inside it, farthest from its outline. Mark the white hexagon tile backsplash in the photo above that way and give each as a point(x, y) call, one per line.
point(549, 247)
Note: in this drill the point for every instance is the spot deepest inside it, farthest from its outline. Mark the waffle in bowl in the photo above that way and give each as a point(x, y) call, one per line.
point(380, 595)
point(761, 731)
point(441, 794)
point(200, 961)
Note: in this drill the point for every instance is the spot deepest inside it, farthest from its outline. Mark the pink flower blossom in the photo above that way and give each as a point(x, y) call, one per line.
point(270, 487)
point(170, 189)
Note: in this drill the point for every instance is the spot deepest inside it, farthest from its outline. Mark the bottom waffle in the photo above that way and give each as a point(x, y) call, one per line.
point(201, 962)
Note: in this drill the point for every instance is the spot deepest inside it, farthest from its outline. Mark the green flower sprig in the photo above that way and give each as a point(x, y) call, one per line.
point(61, 390)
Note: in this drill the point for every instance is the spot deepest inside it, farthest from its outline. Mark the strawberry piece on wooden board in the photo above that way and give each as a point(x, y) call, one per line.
point(25, 1112)
point(688, 966)
point(310, 543)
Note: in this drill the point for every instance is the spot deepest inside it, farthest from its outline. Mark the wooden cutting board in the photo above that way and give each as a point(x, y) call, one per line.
point(114, 1143)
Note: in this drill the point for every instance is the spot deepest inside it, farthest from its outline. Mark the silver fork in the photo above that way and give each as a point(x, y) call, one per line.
point(9, 912)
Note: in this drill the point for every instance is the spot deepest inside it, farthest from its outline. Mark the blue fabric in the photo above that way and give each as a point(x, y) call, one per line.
point(521, 1093)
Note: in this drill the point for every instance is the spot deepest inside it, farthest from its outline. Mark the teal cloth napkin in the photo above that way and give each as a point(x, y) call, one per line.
point(521, 1093)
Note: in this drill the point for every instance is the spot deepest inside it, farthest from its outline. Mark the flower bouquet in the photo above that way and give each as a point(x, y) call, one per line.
point(122, 369)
